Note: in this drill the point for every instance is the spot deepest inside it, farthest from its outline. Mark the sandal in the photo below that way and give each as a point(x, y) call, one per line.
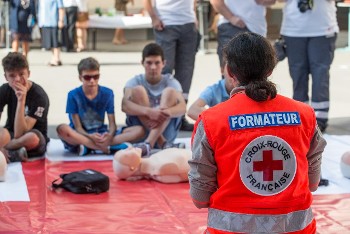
point(55, 64)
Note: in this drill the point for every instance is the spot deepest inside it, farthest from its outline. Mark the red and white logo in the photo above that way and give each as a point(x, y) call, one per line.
point(267, 165)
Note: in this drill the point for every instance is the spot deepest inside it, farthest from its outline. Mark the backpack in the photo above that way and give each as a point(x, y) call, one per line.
point(85, 181)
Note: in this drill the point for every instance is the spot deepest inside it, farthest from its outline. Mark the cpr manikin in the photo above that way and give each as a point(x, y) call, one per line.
point(345, 164)
point(3, 167)
point(166, 166)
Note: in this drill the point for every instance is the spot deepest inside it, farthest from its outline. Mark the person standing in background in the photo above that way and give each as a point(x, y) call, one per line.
point(82, 24)
point(175, 30)
point(242, 16)
point(71, 14)
point(50, 18)
point(22, 19)
point(310, 33)
point(119, 34)
point(2, 24)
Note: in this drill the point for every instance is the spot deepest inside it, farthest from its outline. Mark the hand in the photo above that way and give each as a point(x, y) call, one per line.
point(151, 124)
point(158, 115)
point(60, 24)
point(157, 24)
point(20, 89)
point(236, 21)
point(95, 137)
point(104, 141)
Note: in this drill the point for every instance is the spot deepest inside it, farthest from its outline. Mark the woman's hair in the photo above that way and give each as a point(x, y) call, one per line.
point(251, 58)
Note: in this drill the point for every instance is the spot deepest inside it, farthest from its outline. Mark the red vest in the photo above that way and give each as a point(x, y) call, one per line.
point(260, 149)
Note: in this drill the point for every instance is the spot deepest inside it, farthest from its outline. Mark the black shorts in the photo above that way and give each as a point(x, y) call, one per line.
point(40, 149)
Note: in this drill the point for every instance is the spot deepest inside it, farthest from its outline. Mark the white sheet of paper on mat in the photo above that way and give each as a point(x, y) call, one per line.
point(56, 153)
point(14, 188)
point(336, 147)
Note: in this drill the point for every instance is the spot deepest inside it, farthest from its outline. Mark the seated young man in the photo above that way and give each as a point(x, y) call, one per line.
point(25, 132)
point(86, 107)
point(210, 97)
point(154, 101)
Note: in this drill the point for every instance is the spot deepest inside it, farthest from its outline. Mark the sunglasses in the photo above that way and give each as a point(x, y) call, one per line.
point(89, 77)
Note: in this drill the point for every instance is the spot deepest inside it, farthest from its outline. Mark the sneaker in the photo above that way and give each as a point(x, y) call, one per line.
point(323, 182)
point(83, 150)
point(185, 125)
point(145, 147)
point(115, 148)
point(174, 145)
point(322, 126)
point(19, 155)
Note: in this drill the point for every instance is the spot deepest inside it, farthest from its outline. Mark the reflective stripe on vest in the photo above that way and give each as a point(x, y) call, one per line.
point(251, 223)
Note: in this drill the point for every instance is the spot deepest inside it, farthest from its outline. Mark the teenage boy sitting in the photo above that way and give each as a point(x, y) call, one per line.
point(86, 107)
point(154, 101)
point(25, 132)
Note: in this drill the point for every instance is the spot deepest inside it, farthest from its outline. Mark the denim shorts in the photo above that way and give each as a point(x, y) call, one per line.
point(170, 132)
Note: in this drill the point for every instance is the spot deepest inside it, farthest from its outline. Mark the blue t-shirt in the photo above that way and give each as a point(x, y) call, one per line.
point(215, 94)
point(91, 112)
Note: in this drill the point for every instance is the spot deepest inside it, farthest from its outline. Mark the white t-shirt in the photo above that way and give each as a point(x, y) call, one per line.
point(82, 5)
point(251, 13)
point(69, 3)
point(175, 12)
point(320, 21)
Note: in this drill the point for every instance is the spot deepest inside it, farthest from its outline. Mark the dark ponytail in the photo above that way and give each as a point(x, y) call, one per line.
point(261, 90)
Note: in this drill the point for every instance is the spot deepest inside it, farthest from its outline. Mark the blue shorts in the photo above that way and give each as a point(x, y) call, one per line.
point(75, 148)
point(170, 132)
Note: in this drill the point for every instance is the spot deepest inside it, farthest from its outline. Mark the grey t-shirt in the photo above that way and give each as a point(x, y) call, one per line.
point(154, 91)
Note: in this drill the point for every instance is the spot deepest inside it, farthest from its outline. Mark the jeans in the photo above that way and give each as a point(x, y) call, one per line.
point(179, 43)
point(311, 55)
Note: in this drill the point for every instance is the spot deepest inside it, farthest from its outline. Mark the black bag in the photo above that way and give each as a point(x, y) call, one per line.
point(85, 181)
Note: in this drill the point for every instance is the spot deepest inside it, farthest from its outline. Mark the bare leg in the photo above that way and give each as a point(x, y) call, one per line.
point(56, 55)
point(29, 140)
point(5, 137)
point(80, 39)
point(25, 48)
point(130, 134)
point(84, 37)
point(72, 137)
point(119, 37)
point(15, 45)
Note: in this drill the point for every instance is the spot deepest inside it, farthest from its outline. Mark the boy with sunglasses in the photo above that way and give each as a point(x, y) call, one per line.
point(25, 132)
point(86, 107)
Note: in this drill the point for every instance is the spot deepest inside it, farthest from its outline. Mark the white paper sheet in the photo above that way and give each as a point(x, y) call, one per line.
point(14, 188)
point(57, 153)
point(336, 147)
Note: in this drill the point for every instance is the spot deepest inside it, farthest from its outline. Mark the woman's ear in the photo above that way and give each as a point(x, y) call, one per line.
point(232, 77)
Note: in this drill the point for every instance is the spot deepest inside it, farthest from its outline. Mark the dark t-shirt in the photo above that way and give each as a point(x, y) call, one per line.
point(37, 106)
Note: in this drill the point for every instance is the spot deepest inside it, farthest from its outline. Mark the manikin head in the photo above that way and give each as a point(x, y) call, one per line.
point(345, 164)
point(3, 167)
point(126, 162)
